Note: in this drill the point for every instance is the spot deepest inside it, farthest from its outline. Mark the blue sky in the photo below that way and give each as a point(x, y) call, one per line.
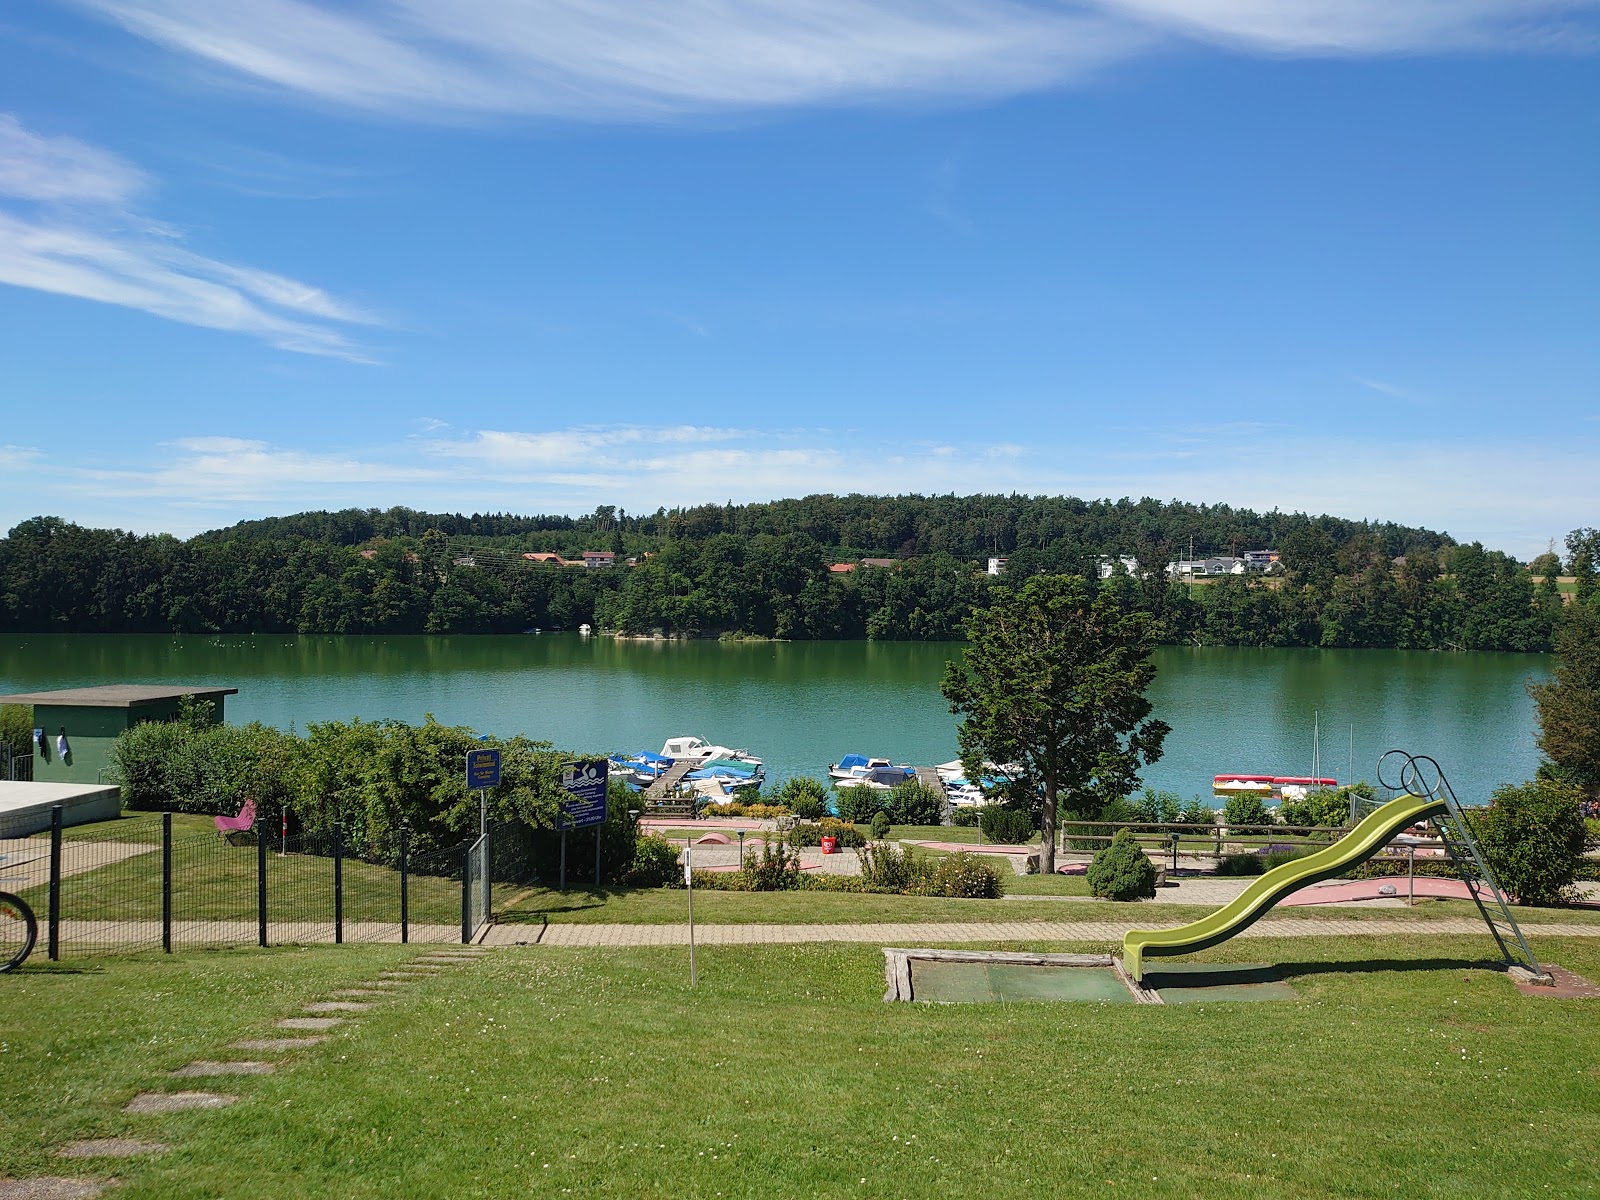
point(539, 255)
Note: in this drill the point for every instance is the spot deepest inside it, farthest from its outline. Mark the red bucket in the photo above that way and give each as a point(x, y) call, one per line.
point(830, 845)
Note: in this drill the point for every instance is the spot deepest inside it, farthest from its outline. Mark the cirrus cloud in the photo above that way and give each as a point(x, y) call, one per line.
point(66, 226)
point(620, 59)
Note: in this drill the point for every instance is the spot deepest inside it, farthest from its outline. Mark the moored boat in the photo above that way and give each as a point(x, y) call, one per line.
point(853, 768)
point(697, 749)
point(1281, 787)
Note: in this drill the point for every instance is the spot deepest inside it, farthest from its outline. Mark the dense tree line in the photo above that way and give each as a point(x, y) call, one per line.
point(763, 569)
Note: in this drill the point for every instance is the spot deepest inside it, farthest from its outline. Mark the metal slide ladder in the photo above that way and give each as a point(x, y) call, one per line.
point(1422, 776)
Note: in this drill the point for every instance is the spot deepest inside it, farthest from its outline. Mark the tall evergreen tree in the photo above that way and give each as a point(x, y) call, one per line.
point(1569, 704)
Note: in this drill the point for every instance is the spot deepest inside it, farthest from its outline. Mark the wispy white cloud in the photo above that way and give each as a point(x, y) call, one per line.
point(610, 59)
point(579, 446)
point(62, 168)
point(1372, 26)
point(1392, 390)
point(66, 227)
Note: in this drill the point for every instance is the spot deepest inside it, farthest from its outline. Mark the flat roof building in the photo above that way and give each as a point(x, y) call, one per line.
point(74, 728)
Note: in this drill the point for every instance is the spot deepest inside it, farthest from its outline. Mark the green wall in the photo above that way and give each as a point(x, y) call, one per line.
point(91, 730)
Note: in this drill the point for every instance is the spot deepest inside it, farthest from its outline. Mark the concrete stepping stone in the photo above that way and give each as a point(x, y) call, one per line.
point(165, 1102)
point(52, 1187)
point(298, 1043)
point(357, 992)
point(310, 1022)
point(207, 1067)
point(322, 1006)
point(411, 974)
point(110, 1148)
point(382, 983)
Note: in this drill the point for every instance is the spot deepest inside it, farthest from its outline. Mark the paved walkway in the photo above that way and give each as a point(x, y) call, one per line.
point(914, 934)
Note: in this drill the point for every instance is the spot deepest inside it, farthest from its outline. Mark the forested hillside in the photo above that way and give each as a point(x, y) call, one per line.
point(763, 569)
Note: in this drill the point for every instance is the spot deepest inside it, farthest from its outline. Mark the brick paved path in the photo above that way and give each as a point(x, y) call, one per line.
point(1013, 931)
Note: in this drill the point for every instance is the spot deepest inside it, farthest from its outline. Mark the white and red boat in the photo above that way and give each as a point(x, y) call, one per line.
point(1279, 787)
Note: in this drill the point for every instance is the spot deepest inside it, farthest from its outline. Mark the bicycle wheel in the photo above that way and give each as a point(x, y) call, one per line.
point(18, 931)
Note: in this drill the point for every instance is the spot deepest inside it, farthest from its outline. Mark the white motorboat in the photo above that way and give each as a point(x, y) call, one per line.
point(697, 749)
point(855, 768)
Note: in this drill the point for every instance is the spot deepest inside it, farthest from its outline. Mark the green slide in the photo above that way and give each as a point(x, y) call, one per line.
point(1360, 844)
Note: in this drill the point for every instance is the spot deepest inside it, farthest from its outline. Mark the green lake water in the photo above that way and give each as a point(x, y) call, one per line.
point(801, 705)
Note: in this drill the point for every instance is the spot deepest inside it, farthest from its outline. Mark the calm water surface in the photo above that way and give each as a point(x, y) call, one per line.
point(801, 705)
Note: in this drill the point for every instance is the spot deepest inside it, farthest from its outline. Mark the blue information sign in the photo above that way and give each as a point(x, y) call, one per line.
point(585, 785)
point(483, 768)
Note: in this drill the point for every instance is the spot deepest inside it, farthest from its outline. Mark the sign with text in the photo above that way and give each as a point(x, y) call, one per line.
point(483, 768)
point(585, 785)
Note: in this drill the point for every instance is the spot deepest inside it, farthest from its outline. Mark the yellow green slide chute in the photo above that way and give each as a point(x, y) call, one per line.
point(1360, 844)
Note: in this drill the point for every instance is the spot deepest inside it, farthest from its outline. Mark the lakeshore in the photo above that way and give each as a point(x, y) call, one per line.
point(800, 706)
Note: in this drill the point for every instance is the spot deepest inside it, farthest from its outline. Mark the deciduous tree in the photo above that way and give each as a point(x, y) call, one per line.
point(1055, 681)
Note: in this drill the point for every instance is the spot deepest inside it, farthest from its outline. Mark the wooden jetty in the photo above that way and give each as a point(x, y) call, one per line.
point(669, 780)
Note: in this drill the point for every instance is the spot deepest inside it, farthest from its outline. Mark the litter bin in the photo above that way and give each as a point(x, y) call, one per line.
point(830, 845)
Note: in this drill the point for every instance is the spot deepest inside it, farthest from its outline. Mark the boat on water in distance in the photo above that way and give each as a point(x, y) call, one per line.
point(1278, 787)
point(697, 749)
point(853, 768)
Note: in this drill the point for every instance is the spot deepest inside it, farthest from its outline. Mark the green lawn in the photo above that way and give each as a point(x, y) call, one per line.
point(1404, 1068)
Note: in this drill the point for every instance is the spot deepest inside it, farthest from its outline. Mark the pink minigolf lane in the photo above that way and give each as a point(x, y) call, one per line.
point(1348, 890)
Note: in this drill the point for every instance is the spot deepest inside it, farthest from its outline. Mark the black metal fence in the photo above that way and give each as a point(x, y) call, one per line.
point(135, 884)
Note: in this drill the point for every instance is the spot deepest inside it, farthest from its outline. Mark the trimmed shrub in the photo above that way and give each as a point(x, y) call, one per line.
point(967, 817)
point(967, 877)
point(655, 864)
point(1007, 826)
point(858, 803)
point(880, 825)
point(1534, 838)
point(739, 808)
point(915, 803)
point(1239, 864)
point(811, 834)
point(804, 797)
point(1121, 871)
point(1244, 809)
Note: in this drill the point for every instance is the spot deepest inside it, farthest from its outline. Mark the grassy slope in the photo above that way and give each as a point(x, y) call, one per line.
point(1403, 1069)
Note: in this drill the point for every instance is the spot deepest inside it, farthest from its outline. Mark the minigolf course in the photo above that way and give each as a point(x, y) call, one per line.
point(1361, 843)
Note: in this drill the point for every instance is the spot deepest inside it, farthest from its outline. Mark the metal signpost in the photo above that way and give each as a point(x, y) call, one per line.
point(483, 773)
point(688, 882)
point(584, 782)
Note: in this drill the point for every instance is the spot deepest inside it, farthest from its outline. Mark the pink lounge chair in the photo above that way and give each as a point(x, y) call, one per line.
point(228, 826)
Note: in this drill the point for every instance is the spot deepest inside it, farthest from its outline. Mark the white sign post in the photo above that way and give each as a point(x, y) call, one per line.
point(688, 879)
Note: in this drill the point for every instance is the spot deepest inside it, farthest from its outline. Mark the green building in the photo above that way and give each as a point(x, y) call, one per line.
point(90, 718)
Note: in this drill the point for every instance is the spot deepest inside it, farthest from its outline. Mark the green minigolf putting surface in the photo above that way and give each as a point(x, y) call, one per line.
point(985, 983)
point(1196, 983)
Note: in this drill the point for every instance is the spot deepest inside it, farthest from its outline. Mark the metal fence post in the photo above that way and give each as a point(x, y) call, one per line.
point(338, 884)
point(54, 936)
point(166, 882)
point(261, 883)
point(488, 872)
point(405, 898)
point(466, 895)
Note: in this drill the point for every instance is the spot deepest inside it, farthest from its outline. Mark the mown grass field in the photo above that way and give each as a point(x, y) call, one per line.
point(1405, 1067)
